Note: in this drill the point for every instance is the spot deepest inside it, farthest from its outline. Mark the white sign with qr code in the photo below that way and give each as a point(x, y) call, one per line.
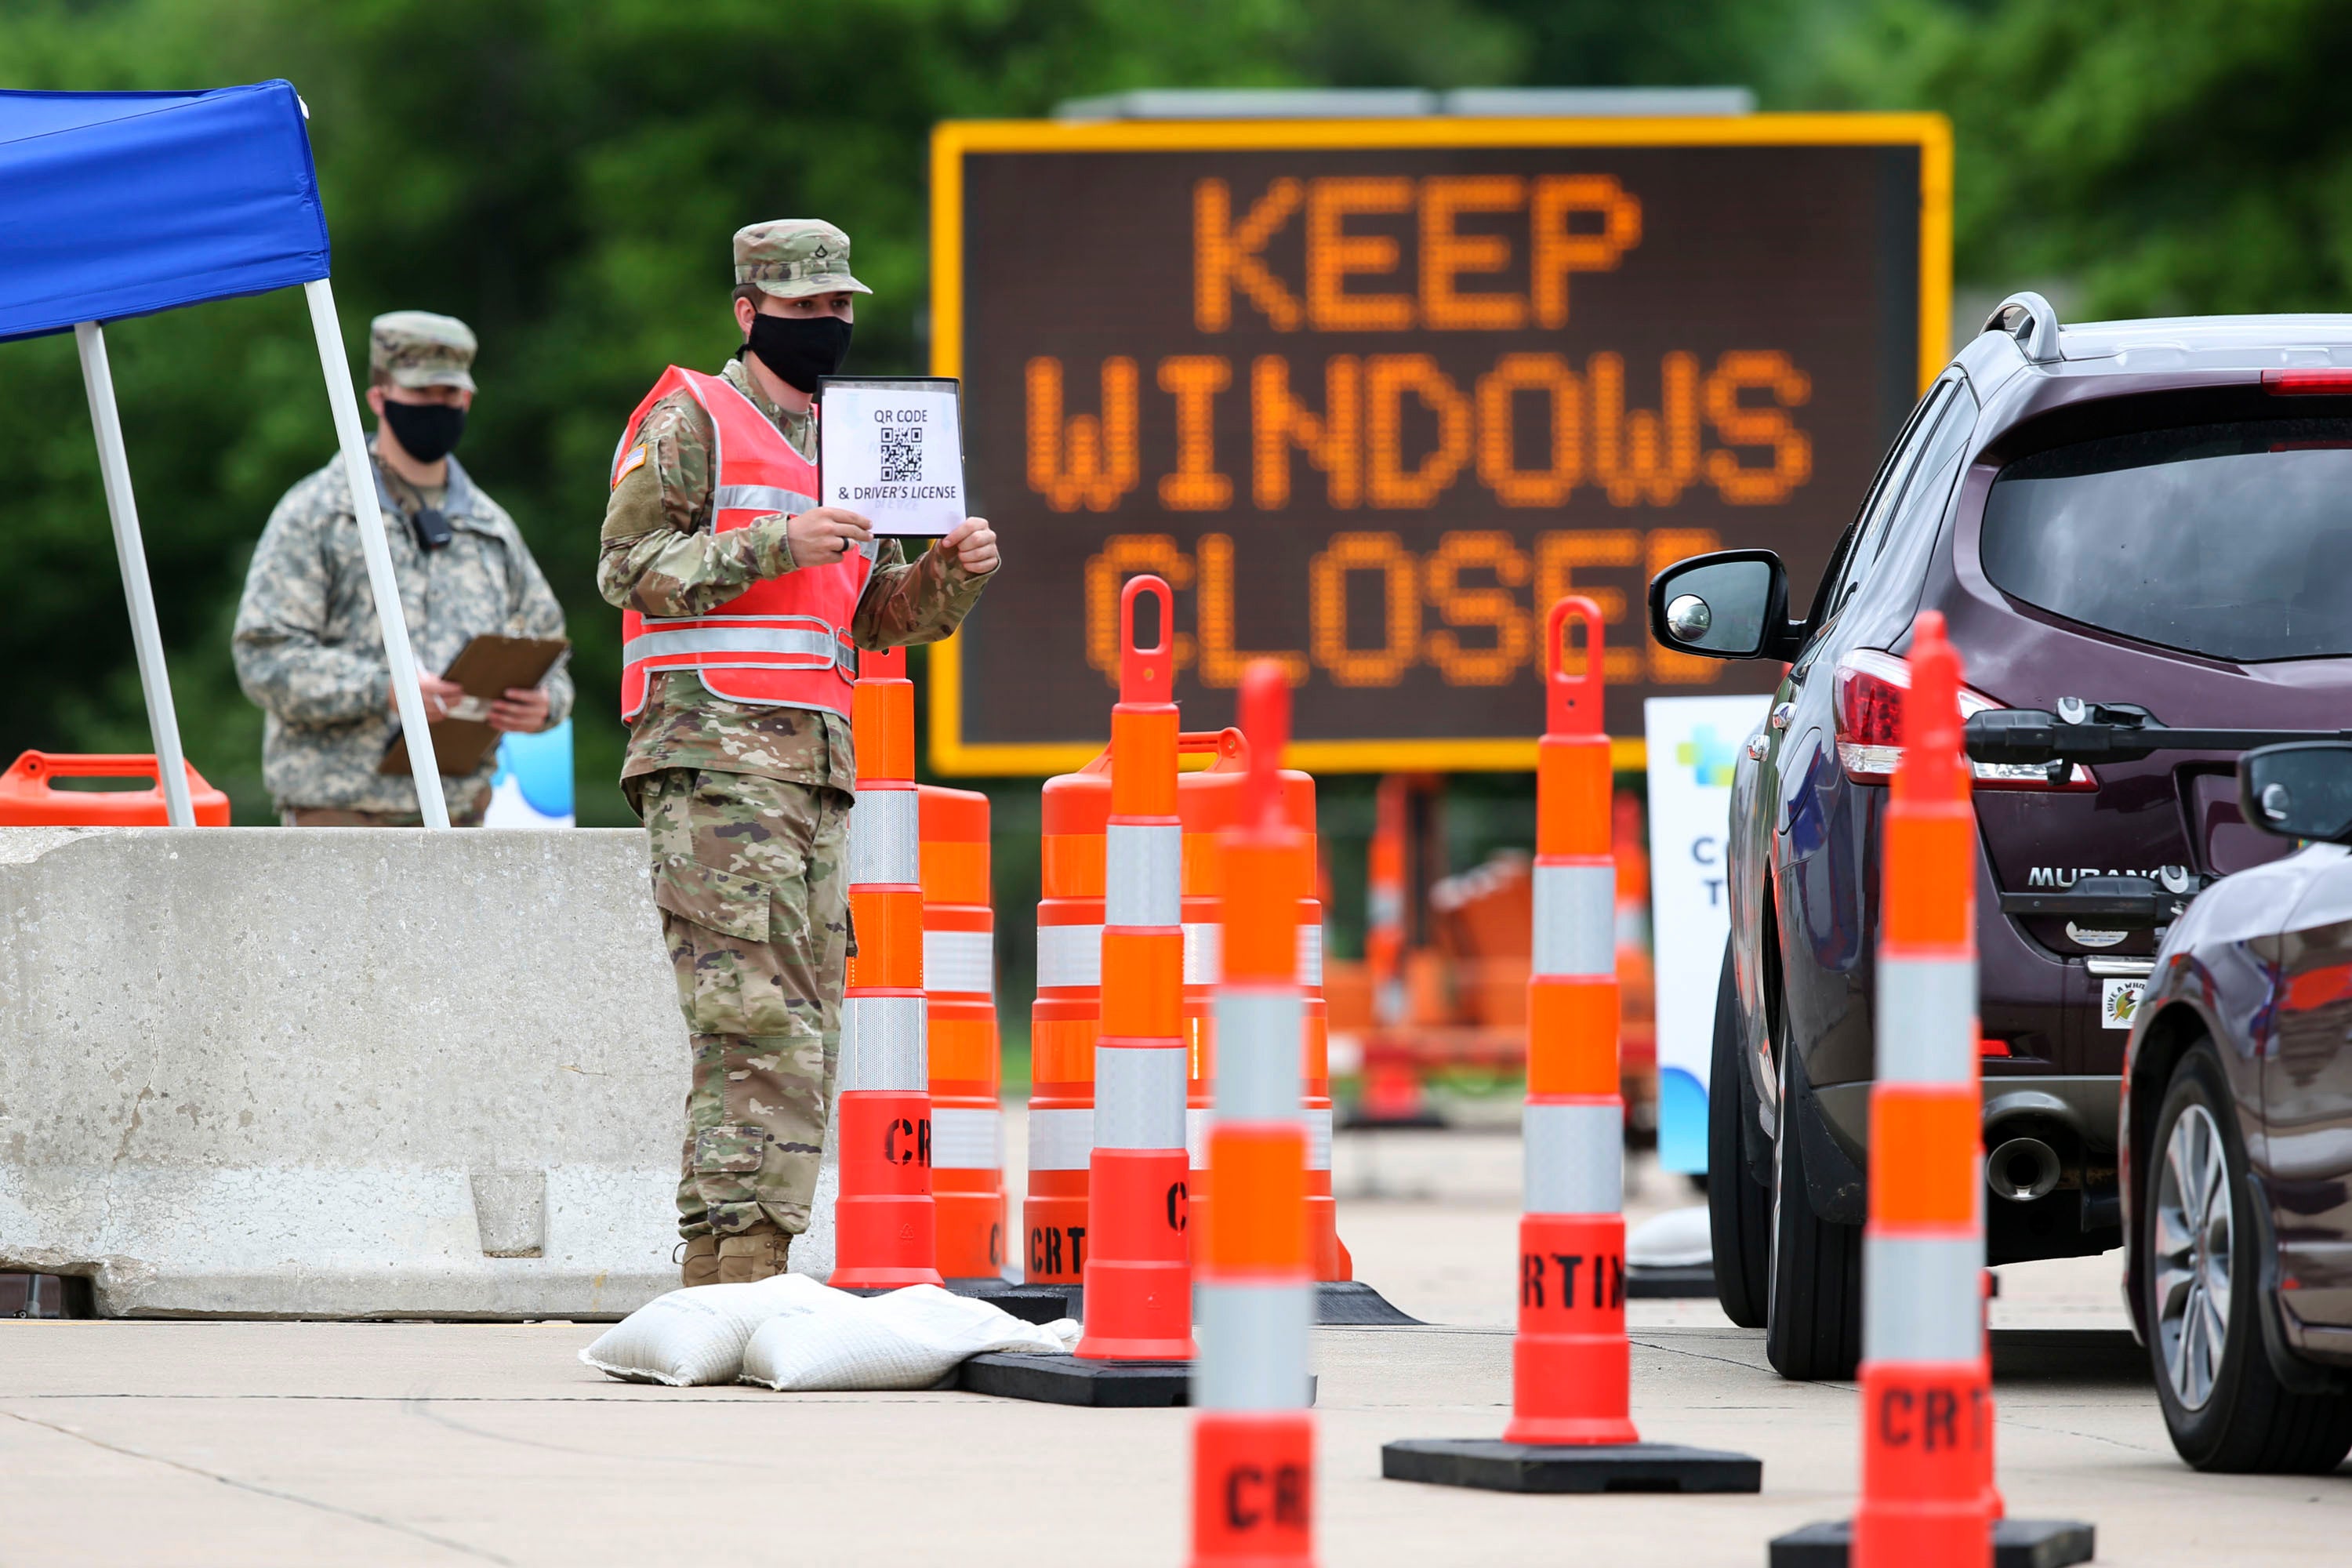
point(890, 448)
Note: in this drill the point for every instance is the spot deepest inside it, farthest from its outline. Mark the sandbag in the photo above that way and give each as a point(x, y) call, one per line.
point(906, 1339)
point(696, 1336)
point(1678, 1238)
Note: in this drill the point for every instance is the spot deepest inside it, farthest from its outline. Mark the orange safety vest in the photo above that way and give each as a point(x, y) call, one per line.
point(783, 642)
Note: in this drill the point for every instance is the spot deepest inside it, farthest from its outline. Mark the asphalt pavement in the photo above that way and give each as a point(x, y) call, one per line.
point(424, 1442)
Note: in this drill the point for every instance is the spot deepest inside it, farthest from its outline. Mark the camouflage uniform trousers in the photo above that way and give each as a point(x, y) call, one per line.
point(751, 877)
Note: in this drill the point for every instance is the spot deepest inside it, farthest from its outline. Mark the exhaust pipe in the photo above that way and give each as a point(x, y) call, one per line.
point(2022, 1169)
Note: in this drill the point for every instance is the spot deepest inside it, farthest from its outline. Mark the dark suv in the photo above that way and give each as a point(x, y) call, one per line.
point(2128, 521)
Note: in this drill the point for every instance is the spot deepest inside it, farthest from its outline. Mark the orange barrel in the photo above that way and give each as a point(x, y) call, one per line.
point(1927, 1496)
point(1331, 1256)
point(1208, 802)
point(960, 984)
point(1064, 1022)
point(1253, 1434)
point(1137, 1280)
point(1571, 1362)
point(29, 799)
point(885, 1225)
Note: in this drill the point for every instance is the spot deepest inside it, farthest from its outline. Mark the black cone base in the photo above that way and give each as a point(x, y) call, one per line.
point(1649, 1283)
point(1548, 1468)
point(1067, 1380)
point(2016, 1543)
point(1354, 1303)
point(1030, 1303)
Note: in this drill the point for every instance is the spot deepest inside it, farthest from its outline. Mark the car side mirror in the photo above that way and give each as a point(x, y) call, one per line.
point(1732, 604)
point(2302, 790)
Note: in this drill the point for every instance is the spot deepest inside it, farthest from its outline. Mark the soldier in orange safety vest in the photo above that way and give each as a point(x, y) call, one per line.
point(743, 603)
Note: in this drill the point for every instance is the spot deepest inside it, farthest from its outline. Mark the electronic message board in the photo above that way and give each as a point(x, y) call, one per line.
point(1372, 394)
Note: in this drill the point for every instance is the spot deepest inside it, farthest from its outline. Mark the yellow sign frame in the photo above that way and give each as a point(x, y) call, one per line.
point(951, 140)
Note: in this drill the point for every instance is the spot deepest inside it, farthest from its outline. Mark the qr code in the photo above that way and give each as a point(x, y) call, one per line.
point(902, 454)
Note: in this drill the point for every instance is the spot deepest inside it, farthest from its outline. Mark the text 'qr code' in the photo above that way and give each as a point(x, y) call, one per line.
point(902, 454)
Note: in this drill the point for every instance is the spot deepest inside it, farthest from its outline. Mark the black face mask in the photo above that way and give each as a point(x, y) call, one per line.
point(428, 432)
point(798, 349)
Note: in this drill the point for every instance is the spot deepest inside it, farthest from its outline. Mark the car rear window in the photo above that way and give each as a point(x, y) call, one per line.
point(2229, 541)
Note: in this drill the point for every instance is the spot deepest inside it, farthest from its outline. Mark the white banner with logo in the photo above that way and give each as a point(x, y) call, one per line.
point(1694, 748)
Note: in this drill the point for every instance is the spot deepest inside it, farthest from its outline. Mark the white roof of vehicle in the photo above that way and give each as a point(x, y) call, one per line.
point(2317, 342)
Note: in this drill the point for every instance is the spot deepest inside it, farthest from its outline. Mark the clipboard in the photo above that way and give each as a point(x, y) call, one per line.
point(486, 666)
point(890, 448)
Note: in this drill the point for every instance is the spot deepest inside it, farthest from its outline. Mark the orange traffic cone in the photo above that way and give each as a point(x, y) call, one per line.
point(1571, 1429)
point(1254, 1437)
point(1928, 1499)
point(1138, 1302)
point(884, 1220)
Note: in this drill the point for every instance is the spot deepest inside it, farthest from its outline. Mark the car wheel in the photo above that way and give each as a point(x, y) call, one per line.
point(1813, 1325)
point(2223, 1404)
point(1739, 1207)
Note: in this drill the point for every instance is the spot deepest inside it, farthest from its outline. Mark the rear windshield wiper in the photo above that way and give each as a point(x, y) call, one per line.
point(2094, 733)
point(2130, 904)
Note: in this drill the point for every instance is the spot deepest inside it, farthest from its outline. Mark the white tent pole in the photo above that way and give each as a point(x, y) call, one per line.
point(361, 477)
point(122, 507)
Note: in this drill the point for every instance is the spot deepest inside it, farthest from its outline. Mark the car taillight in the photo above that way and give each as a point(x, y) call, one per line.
point(2307, 382)
point(1869, 705)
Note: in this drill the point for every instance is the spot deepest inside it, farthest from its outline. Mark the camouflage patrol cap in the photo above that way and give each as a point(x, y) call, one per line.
point(417, 348)
point(792, 257)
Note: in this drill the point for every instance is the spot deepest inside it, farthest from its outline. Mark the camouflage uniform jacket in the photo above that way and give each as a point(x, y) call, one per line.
point(661, 557)
point(310, 652)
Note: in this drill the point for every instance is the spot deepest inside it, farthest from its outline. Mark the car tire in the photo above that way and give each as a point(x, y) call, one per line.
point(1813, 1326)
point(1739, 1207)
point(2224, 1407)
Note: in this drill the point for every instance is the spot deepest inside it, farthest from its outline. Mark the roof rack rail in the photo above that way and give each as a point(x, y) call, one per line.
point(2033, 320)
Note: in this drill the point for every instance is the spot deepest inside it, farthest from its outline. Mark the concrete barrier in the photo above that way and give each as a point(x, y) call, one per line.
point(383, 1073)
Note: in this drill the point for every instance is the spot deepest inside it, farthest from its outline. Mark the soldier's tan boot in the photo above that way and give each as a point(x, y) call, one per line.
point(752, 1254)
point(701, 1264)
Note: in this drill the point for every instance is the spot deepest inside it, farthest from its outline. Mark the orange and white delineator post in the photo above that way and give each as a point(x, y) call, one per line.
point(1571, 1362)
point(1253, 1435)
point(1926, 1498)
point(960, 982)
point(1570, 1429)
point(884, 1221)
point(1138, 1302)
point(1064, 1021)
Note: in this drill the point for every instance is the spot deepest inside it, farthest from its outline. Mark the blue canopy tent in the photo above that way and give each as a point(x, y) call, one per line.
point(124, 204)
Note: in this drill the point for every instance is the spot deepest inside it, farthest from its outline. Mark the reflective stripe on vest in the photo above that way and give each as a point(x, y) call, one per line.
point(765, 499)
point(784, 641)
point(697, 638)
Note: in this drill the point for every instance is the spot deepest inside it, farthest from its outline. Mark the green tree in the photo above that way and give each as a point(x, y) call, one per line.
point(564, 177)
point(2168, 156)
